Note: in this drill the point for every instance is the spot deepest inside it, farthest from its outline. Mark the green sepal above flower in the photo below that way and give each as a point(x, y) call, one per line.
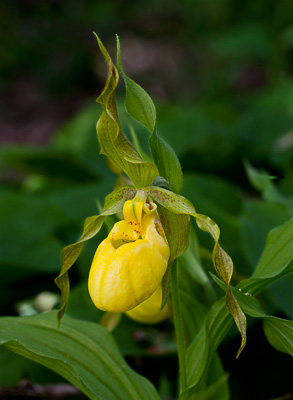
point(113, 142)
point(141, 107)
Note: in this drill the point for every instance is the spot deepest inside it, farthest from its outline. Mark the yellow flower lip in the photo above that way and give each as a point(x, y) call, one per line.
point(149, 311)
point(130, 263)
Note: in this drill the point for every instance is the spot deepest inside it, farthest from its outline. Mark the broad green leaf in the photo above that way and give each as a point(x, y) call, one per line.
point(279, 333)
point(249, 304)
point(193, 313)
point(113, 204)
point(195, 279)
point(211, 392)
point(141, 107)
point(197, 357)
point(82, 352)
point(277, 253)
point(222, 261)
point(255, 285)
point(137, 101)
point(113, 142)
point(15, 368)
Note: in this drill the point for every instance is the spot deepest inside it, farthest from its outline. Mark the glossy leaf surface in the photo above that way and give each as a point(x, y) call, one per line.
point(84, 353)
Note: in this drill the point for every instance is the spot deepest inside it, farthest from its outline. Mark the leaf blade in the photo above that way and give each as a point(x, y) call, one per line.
point(82, 352)
point(140, 106)
point(279, 333)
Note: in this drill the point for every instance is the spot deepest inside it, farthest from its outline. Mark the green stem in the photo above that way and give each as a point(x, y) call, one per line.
point(178, 326)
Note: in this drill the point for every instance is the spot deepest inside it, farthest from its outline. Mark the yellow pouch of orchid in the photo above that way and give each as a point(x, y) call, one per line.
point(130, 263)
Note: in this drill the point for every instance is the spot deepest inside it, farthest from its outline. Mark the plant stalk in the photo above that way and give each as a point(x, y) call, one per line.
point(179, 329)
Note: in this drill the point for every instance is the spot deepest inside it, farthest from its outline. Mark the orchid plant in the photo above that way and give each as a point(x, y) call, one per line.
point(136, 270)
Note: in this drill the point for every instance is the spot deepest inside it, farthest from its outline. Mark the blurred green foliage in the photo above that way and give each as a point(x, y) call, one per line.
point(222, 75)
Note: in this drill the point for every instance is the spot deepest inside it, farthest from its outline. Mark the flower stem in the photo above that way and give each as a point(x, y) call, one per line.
point(178, 326)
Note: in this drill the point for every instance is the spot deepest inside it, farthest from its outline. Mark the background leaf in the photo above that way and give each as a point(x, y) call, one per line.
point(277, 253)
point(279, 333)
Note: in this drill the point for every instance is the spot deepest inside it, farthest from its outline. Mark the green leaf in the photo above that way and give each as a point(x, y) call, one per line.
point(222, 261)
point(113, 204)
point(84, 353)
point(255, 285)
point(113, 142)
point(137, 101)
point(141, 107)
point(279, 333)
point(211, 392)
point(202, 349)
point(277, 253)
point(197, 357)
point(262, 181)
point(276, 259)
point(167, 161)
point(258, 218)
point(249, 304)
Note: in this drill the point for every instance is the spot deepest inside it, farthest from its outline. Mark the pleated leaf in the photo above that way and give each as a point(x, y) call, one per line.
point(222, 261)
point(113, 142)
point(113, 204)
point(140, 106)
point(82, 352)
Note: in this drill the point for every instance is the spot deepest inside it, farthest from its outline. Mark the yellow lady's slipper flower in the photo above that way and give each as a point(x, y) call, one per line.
point(149, 312)
point(130, 263)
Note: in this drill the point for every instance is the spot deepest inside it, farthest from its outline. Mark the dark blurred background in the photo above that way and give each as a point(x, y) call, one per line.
point(221, 75)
